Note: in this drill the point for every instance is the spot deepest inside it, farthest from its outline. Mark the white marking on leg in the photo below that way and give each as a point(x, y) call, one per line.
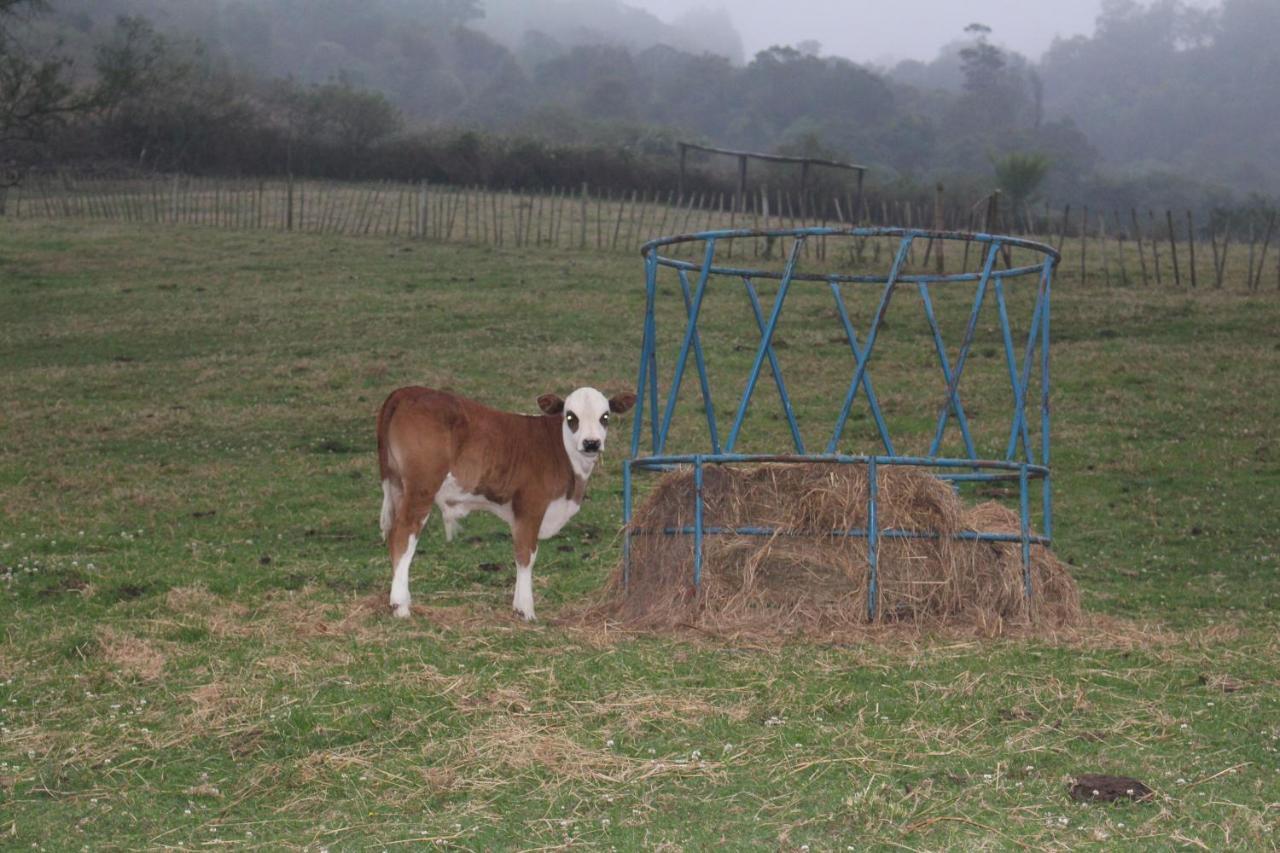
point(400, 581)
point(558, 513)
point(523, 601)
point(451, 525)
point(389, 497)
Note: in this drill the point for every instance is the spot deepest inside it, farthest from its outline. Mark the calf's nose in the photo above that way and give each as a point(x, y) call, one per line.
point(590, 445)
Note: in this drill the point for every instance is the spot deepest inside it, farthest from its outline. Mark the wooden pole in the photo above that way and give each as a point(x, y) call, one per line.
point(586, 198)
point(680, 179)
point(1102, 243)
point(1222, 262)
point(1084, 241)
point(1124, 270)
point(1155, 246)
point(1191, 247)
point(1137, 236)
point(1173, 249)
point(742, 184)
point(1262, 260)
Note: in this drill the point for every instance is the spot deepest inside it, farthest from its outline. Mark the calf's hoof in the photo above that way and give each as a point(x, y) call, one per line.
point(401, 611)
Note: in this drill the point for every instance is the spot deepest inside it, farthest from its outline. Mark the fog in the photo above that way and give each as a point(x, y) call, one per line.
point(883, 33)
point(1128, 102)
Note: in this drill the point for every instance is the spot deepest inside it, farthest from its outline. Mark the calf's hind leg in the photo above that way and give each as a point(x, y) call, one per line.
point(410, 517)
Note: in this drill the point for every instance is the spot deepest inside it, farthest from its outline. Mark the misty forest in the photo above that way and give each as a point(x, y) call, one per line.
point(1164, 104)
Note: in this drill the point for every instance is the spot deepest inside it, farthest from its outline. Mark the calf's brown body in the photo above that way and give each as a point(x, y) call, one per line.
point(437, 448)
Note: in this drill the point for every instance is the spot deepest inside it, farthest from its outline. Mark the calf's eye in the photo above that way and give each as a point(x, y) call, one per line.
point(604, 419)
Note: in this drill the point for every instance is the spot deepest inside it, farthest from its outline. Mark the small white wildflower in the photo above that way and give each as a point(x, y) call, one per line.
point(609, 743)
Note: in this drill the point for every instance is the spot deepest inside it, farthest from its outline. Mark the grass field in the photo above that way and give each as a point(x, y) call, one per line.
point(195, 652)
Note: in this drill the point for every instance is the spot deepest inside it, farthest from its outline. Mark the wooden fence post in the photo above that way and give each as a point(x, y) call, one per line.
point(1084, 245)
point(1173, 249)
point(1191, 247)
point(1266, 242)
point(1137, 236)
point(1155, 246)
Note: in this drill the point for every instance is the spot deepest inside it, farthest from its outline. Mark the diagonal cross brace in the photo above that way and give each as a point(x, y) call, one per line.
point(701, 364)
point(859, 357)
point(690, 331)
point(943, 362)
point(775, 369)
point(860, 371)
point(766, 341)
point(954, 382)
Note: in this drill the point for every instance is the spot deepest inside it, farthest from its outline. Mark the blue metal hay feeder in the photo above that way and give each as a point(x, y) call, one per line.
point(1002, 263)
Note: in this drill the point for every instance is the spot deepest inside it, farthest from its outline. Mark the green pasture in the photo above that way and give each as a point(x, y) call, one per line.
point(195, 651)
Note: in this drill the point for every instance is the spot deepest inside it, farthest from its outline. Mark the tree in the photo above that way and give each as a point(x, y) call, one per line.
point(37, 95)
point(1019, 175)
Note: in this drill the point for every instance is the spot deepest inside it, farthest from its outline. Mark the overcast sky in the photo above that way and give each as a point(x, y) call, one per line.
point(867, 31)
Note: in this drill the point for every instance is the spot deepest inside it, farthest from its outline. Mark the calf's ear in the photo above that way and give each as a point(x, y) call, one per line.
point(551, 404)
point(620, 403)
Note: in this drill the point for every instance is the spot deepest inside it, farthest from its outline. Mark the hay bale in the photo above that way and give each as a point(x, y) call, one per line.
point(801, 581)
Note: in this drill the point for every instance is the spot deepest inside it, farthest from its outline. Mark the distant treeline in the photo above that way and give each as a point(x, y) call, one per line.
point(413, 90)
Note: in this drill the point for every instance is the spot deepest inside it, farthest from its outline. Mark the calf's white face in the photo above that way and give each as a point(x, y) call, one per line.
point(586, 422)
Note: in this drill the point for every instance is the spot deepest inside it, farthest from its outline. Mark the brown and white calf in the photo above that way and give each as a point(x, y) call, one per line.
point(531, 471)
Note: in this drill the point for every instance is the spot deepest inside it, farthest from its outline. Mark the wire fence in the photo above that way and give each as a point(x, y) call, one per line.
point(1122, 248)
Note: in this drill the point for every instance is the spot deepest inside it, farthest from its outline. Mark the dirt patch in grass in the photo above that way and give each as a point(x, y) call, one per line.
point(130, 655)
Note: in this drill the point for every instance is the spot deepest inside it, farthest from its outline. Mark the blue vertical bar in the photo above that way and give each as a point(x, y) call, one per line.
point(690, 329)
point(777, 371)
point(1012, 361)
point(646, 350)
point(766, 341)
point(697, 522)
point(703, 380)
point(963, 357)
point(653, 382)
point(1044, 399)
point(873, 539)
point(903, 249)
point(626, 523)
point(858, 357)
point(1024, 520)
point(1019, 424)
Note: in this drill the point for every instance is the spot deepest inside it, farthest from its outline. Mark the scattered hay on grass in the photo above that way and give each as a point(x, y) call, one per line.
point(130, 655)
point(221, 616)
point(801, 581)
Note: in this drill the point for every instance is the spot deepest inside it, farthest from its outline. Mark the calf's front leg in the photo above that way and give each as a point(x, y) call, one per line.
point(525, 534)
